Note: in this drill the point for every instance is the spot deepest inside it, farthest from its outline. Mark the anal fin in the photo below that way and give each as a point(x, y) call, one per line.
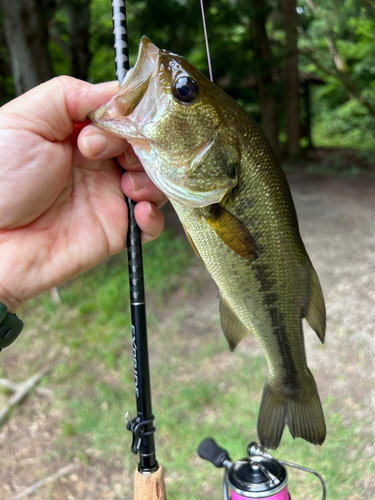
point(234, 330)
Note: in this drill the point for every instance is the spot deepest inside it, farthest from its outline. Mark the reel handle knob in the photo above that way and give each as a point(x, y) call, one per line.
point(209, 450)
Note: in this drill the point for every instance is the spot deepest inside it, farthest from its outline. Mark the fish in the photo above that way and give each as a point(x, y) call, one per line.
point(222, 177)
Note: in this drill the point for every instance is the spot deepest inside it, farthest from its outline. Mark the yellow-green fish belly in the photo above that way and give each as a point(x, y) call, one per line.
point(241, 285)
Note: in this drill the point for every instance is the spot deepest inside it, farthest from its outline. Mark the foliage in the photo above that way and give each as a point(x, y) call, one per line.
point(177, 25)
point(336, 42)
point(339, 37)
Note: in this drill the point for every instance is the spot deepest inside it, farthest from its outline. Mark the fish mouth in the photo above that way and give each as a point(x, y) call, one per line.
point(126, 115)
point(115, 115)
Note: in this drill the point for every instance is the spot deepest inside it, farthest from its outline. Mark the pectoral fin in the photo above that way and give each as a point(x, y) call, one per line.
point(234, 330)
point(231, 231)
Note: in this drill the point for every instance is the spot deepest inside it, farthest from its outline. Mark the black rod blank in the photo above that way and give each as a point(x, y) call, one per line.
point(142, 426)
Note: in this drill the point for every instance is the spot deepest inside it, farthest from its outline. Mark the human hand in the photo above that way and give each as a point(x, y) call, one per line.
point(62, 195)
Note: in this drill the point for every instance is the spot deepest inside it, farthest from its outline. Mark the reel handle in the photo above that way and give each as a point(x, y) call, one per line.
point(209, 450)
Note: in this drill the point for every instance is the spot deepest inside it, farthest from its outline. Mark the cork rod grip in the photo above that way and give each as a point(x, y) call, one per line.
point(149, 486)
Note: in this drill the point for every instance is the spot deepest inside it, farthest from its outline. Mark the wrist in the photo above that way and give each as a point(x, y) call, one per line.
point(8, 300)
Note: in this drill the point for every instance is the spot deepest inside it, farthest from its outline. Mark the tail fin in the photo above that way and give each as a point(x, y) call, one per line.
point(302, 412)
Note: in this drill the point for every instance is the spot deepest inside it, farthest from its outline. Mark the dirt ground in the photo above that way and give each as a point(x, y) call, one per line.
point(337, 222)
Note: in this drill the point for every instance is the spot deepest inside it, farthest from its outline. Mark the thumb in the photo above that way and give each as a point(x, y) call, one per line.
point(53, 108)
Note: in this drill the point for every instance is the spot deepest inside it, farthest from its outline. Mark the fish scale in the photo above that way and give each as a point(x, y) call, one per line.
point(218, 170)
point(228, 269)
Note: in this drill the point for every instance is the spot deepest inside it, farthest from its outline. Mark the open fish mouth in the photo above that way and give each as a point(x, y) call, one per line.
point(141, 103)
point(117, 115)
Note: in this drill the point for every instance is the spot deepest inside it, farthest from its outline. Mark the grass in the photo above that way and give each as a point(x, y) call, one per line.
point(333, 155)
point(199, 388)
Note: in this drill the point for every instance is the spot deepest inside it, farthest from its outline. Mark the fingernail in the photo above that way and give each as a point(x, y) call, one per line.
point(95, 144)
point(113, 84)
point(151, 210)
point(146, 238)
point(130, 156)
point(139, 181)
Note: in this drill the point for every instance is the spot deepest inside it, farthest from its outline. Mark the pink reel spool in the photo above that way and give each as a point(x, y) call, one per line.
point(257, 477)
point(281, 495)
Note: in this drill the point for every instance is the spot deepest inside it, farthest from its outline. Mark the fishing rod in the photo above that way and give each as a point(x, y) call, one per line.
point(258, 475)
point(148, 479)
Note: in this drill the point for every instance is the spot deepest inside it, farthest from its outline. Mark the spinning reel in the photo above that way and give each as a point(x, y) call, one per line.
point(259, 475)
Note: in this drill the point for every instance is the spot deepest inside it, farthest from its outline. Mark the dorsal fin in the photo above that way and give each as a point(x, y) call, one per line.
point(315, 312)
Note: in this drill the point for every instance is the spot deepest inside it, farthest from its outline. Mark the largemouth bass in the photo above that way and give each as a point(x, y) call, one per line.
point(219, 172)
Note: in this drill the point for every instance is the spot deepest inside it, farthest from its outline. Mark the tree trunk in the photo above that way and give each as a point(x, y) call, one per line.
point(78, 13)
point(25, 28)
point(306, 124)
point(292, 98)
point(263, 55)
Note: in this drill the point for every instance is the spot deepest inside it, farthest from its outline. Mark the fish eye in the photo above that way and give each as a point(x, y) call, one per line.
point(185, 89)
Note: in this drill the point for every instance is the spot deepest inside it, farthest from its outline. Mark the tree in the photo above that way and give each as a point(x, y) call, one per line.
point(70, 30)
point(26, 34)
point(291, 78)
point(265, 66)
point(29, 25)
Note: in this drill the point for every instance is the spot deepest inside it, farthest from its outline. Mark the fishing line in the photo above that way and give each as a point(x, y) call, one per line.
point(206, 40)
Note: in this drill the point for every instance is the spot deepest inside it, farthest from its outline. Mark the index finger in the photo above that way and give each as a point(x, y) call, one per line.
point(53, 108)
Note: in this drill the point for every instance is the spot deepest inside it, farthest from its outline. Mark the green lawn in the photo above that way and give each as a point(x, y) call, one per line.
point(199, 388)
